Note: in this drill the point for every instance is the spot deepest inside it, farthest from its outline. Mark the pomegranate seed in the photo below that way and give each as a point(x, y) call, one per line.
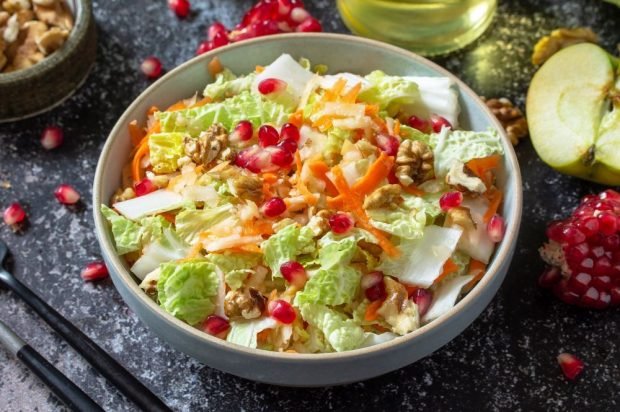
point(572, 235)
point(549, 277)
point(205, 46)
point(439, 122)
point(389, 144)
point(589, 227)
point(52, 137)
point(274, 207)
point(179, 7)
point(268, 136)
point(215, 325)
point(373, 286)
point(571, 365)
point(94, 271)
point(281, 157)
point(423, 298)
point(299, 15)
point(294, 273)
point(151, 67)
point(289, 131)
point(144, 187)
point(220, 39)
point(261, 162)
point(215, 29)
point(244, 157)
point(392, 179)
point(602, 267)
point(340, 223)
point(554, 231)
point(66, 194)
point(289, 145)
point(577, 253)
point(496, 228)
point(420, 124)
point(449, 200)
point(14, 214)
point(309, 25)
point(282, 311)
point(271, 85)
point(590, 297)
point(580, 283)
point(608, 223)
point(615, 295)
point(611, 243)
point(242, 132)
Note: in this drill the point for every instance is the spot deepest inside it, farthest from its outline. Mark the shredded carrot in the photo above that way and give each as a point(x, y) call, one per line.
point(413, 190)
point(266, 189)
point(410, 289)
point(259, 69)
point(250, 248)
point(168, 216)
point(270, 178)
point(333, 93)
point(377, 172)
point(136, 133)
point(351, 95)
point(396, 127)
point(323, 123)
point(495, 199)
point(477, 269)
point(371, 110)
point(448, 268)
point(308, 196)
point(180, 105)
point(297, 118)
point(319, 169)
point(201, 102)
point(151, 111)
point(380, 328)
point(199, 169)
point(215, 66)
point(353, 202)
point(263, 336)
point(372, 311)
point(379, 122)
point(483, 168)
point(142, 151)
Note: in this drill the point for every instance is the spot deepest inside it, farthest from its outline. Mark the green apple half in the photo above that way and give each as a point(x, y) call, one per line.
point(573, 112)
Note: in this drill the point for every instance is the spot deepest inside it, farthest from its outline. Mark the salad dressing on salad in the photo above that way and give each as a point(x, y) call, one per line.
point(294, 211)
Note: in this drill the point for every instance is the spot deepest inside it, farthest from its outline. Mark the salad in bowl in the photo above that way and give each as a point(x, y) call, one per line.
point(297, 211)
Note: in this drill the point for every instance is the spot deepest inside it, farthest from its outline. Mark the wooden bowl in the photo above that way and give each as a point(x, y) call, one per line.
point(39, 88)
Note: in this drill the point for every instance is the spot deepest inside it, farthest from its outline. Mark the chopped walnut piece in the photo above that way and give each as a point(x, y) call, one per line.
point(27, 53)
point(122, 195)
point(4, 17)
point(414, 162)
point(385, 196)
point(57, 14)
point(13, 6)
point(51, 40)
point(560, 39)
point(510, 116)
point(248, 187)
point(458, 176)
point(319, 223)
point(460, 216)
point(247, 303)
point(210, 145)
point(397, 310)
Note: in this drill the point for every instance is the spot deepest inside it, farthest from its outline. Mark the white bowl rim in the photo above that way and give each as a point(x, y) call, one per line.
point(501, 253)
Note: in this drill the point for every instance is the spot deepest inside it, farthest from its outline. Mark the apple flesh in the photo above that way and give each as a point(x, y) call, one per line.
point(573, 112)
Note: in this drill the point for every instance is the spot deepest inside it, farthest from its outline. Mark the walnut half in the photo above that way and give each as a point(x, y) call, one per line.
point(247, 303)
point(414, 162)
point(510, 116)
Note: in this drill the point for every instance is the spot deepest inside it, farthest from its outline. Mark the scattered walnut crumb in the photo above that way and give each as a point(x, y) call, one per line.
point(560, 39)
point(510, 116)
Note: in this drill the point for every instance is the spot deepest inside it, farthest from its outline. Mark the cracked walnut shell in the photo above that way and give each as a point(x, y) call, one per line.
point(560, 39)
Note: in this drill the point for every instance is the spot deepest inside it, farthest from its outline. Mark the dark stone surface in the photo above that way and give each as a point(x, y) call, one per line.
point(504, 361)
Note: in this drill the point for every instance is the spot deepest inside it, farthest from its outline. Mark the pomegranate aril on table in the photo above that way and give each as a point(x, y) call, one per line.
point(14, 214)
point(94, 271)
point(151, 67)
point(67, 195)
point(571, 365)
point(584, 253)
point(52, 137)
point(180, 7)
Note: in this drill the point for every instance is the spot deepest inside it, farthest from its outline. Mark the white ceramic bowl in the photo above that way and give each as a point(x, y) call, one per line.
point(340, 53)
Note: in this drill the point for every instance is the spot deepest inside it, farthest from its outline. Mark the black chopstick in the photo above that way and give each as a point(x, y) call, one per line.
point(59, 384)
point(129, 385)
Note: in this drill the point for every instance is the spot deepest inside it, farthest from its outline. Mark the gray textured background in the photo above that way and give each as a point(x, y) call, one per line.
point(504, 361)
